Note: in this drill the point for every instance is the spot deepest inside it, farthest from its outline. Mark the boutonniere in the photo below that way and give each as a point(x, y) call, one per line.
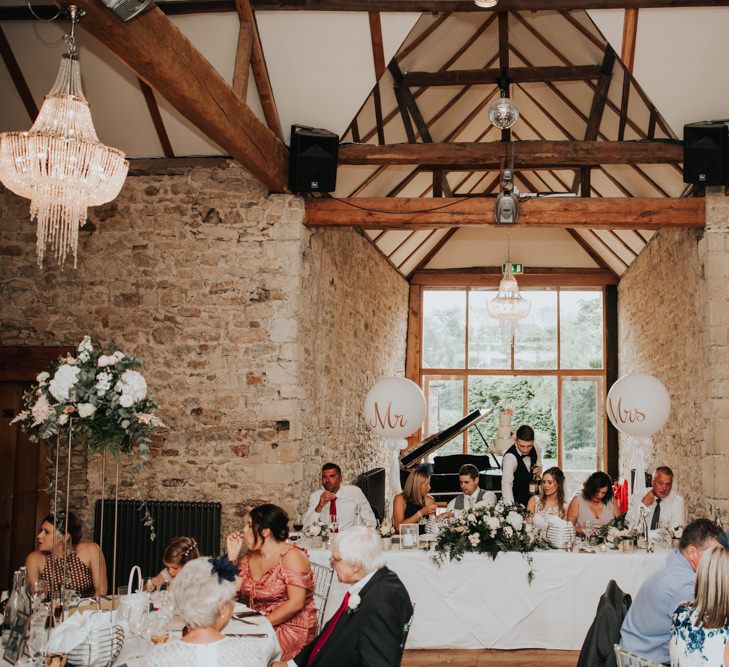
point(353, 603)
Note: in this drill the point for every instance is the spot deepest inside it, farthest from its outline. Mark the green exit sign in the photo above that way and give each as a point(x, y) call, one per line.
point(515, 268)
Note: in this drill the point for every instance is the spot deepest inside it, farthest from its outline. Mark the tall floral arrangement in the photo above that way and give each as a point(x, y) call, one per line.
point(488, 530)
point(104, 394)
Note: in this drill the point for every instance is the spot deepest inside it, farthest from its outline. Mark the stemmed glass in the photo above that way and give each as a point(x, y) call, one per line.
point(38, 592)
point(38, 632)
point(587, 530)
point(138, 622)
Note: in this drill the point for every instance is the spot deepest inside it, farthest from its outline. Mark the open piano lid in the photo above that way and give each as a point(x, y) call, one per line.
point(437, 440)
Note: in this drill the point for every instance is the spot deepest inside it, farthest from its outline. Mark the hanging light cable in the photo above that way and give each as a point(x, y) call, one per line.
point(60, 164)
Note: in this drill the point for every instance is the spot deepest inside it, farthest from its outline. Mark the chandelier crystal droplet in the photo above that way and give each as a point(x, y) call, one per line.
point(60, 164)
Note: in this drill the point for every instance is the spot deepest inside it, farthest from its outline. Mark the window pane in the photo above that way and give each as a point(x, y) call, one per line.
point(580, 321)
point(444, 329)
point(486, 347)
point(534, 401)
point(535, 340)
point(582, 418)
point(445, 407)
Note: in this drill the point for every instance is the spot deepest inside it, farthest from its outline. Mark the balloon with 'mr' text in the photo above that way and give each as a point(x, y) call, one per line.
point(394, 407)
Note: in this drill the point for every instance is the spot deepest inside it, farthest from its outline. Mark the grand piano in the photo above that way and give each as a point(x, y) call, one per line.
point(444, 481)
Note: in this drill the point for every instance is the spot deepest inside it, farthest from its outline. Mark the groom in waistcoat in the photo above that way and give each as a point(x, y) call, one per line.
point(520, 462)
point(471, 494)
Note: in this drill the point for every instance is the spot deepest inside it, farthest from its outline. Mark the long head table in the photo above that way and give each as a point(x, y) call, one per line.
point(481, 603)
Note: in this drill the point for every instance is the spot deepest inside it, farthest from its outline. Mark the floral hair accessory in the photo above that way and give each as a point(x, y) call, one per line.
point(424, 467)
point(223, 568)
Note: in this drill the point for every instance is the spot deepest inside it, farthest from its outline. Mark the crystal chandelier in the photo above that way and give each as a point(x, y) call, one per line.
point(508, 306)
point(60, 164)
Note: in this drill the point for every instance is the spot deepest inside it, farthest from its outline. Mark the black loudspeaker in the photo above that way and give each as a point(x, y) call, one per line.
point(706, 153)
point(313, 160)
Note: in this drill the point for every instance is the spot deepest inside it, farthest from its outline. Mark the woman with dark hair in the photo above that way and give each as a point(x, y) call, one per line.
point(595, 504)
point(414, 503)
point(85, 565)
point(550, 501)
point(178, 552)
point(276, 577)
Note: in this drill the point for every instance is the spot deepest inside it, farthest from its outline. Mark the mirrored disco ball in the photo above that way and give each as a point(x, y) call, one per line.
point(503, 113)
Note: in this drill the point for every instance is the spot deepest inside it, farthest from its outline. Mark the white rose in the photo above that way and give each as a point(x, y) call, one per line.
point(472, 518)
point(508, 531)
point(353, 601)
point(62, 382)
point(106, 360)
point(314, 530)
point(41, 378)
point(493, 523)
point(474, 539)
point(126, 401)
point(86, 410)
point(515, 520)
point(119, 355)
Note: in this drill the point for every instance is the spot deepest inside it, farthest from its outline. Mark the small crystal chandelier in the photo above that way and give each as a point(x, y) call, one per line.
point(503, 112)
point(508, 306)
point(60, 164)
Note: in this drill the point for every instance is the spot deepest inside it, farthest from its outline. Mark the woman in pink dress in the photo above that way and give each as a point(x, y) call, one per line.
point(276, 577)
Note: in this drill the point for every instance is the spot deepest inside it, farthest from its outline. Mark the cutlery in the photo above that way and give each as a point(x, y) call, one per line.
point(261, 635)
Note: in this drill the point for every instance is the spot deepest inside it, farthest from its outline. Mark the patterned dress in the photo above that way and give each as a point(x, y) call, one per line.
point(270, 591)
point(693, 646)
point(79, 575)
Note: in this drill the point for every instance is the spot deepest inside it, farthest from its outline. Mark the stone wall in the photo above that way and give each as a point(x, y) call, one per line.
point(673, 317)
point(259, 336)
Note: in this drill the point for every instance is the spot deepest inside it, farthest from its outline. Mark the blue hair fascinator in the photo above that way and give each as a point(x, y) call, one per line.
point(723, 539)
point(223, 568)
point(424, 467)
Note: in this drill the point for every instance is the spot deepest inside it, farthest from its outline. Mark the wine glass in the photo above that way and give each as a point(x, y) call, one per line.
point(38, 592)
point(298, 523)
point(138, 623)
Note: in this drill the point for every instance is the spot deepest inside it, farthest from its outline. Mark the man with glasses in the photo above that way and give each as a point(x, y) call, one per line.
point(521, 461)
point(369, 626)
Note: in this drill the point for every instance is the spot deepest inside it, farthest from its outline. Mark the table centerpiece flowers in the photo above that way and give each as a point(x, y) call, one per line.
point(102, 396)
point(488, 530)
point(316, 531)
point(616, 531)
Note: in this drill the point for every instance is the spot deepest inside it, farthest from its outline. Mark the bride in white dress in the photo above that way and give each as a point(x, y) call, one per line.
point(550, 501)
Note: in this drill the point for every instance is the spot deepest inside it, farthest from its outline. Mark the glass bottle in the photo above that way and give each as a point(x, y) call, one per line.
point(535, 484)
point(11, 608)
point(24, 602)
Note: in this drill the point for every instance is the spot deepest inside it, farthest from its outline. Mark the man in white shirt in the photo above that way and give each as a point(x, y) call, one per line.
point(471, 495)
point(521, 460)
point(338, 502)
point(659, 504)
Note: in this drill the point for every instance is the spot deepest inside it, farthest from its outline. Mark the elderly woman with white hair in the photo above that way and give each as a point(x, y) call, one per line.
point(203, 592)
point(369, 626)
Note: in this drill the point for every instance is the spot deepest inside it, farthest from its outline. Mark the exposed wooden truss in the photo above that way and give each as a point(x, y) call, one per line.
point(532, 277)
point(192, 85)
point(415, 213)
point(528, 154)
point(490, 76)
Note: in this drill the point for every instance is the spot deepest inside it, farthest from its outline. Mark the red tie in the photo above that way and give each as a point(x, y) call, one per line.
point(329, 629)
point(332, 510)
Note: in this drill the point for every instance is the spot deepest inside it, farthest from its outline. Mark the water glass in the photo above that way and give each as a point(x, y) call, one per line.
point(38, 592)
point(38, 638)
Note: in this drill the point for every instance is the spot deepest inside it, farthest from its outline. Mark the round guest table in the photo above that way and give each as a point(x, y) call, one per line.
point(481, 603)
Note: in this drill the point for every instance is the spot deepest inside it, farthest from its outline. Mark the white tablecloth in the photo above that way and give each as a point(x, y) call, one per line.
point(480, 603)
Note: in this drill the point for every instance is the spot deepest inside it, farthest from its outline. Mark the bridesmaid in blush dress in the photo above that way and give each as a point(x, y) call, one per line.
point(276, 577)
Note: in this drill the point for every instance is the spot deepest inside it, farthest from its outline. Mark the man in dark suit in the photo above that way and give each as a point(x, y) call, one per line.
point(369, 627)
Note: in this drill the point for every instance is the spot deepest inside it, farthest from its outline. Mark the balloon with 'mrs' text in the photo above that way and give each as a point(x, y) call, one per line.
point(394, 407)
point(638, 404)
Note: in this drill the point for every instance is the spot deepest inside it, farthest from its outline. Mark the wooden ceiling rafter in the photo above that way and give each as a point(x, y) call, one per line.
point(242, 65)
point(16, 74)
point(620, 260)
point(368, 181)
point(378, 61)
point(400, 245)
point(474, 77)
point(633, 254)
point(439, 6)
point(416, 250)
point(432, 252)
point(260, 71)
point(588, 213)
point(157, 121)
point(407, 50)
point(593, 254)
point(192, 86)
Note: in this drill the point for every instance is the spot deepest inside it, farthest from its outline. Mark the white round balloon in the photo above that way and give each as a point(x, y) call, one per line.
point(394, 407)
point(638, 404)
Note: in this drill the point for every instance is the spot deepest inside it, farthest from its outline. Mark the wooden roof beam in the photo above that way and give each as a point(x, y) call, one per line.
point(460, 77)
point(192, 85)
point(528, 154)
point(595, 213)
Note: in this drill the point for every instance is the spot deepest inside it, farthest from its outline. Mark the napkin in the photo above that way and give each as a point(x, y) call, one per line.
point(76, 629)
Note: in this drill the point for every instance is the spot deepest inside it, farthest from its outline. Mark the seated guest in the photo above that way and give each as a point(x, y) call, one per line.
point(84, 560)
point(646, 628)
point(276, 577)
point(414, 503)
point(338, 502)
point(594, 504)
point(471, 495)
point(700, 629)
point(660, 503)
point(203, 594)
point(520, 462)
point(369, 625)
point(177, 553)
point(550, 501)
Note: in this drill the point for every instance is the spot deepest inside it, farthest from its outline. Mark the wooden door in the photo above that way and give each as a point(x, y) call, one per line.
point(23, 498)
